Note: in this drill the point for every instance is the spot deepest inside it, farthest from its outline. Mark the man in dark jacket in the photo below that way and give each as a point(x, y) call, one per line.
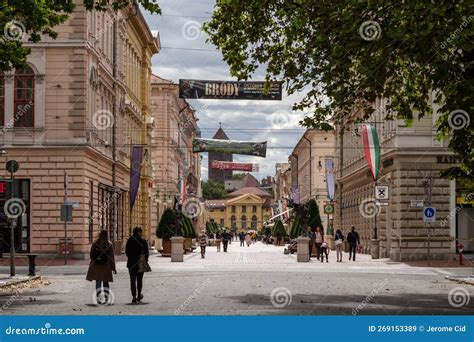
point(353, 240)
point(225, 239)
point(136, 247)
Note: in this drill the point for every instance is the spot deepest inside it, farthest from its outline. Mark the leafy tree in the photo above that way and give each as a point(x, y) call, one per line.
point(213, 190)
point(295, 228)
point(32, 18)
point(346, 54)
point(314, 216)
point(188, 228)
point(279, 229)
point(239, 175)
point(167, 226)
point(267, 231)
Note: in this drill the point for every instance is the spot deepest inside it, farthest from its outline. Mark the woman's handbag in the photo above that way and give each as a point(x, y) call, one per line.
point(338, 242)
point(143, 265)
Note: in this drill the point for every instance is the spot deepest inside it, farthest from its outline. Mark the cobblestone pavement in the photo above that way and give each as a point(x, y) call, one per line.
point(255, 280)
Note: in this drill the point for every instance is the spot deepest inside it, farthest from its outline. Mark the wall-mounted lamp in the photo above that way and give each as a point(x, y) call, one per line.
point(320, 165)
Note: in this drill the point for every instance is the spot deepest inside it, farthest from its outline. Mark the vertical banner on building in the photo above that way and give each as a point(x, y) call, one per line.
point(295, 194)
point(135, 173)
point(371, 148)
point(330, 178)
point(182, 191)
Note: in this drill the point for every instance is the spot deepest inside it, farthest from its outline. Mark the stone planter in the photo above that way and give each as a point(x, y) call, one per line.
point(177, 251)
point(166, 251)
point(187, 244)
point(118, 247)
point(375, 248)
point(303, 249)
point(330, 241)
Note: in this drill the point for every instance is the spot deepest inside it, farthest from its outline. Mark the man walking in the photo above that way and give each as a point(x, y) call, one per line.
point(353, 240)
point(242, 239)
point(225, 240)
point(203, 243)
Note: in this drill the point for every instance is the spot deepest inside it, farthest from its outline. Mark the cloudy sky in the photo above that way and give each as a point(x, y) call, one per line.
point(185, 54)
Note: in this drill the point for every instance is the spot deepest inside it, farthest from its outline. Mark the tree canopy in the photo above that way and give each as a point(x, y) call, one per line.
point(346, 54)
point(32, 18)
point(213, 190)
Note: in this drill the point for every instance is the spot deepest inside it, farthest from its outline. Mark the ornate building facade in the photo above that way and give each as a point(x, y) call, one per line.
point(77, 109)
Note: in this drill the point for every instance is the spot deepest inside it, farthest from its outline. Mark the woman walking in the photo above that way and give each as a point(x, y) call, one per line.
point(319, 239)
point(101, 267)
point(137, 253)
point(339, 242)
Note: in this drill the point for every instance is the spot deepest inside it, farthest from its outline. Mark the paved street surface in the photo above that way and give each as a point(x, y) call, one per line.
point(241, 282)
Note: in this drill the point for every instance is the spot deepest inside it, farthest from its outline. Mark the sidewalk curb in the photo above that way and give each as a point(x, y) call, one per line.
point(461, 280)
point(19, 281)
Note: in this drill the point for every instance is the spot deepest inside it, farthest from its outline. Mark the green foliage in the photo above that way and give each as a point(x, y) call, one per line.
point(346, 54)
point(188, 228)
point(167, 226)
point(314, 216)
point(211, 227)
point(267, 231)
point(213, 190)
point(279, 229)
point(32, 18)
point(295, 228)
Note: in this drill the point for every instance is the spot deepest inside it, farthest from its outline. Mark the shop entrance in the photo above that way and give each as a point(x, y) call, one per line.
point(21, 192)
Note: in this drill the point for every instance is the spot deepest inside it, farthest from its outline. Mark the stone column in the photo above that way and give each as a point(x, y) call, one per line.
point(303, 249)
point(375, 248)
point(177, 249)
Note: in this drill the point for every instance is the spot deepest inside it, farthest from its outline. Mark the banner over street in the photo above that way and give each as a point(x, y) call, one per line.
point(229, 90)
point(249, 148)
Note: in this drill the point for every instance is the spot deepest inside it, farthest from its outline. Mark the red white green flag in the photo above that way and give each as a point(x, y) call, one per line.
point(371, 148)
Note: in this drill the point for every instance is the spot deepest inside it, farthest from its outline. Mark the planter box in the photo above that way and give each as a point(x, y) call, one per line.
point(166, 251)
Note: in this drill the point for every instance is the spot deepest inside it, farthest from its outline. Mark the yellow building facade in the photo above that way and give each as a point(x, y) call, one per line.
point(241, 211)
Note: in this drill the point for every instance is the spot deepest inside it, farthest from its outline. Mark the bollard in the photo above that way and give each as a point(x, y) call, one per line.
point(461, 257)
point(32, 264)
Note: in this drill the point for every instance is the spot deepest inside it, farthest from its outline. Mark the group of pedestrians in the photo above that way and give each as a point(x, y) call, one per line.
point(316, 238)
point(102, 266)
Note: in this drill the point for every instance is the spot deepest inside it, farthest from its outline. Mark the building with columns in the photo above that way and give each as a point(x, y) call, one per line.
point(79, 108)
point(411, 159)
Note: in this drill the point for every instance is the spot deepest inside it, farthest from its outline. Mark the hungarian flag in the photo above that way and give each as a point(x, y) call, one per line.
point(371, 149)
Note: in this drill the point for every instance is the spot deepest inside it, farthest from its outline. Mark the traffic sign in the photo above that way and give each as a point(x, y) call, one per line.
point(12, 166)
point(429, 214)
point(381, 192)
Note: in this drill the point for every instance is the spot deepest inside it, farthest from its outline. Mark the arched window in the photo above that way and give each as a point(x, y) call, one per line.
point(254, 222)
point(244, 222)
point(2, 100)
point(23, 115)
point(233, 221)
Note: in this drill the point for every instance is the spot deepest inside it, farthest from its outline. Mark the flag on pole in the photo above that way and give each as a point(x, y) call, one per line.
point(371, 148)
point(182, 191)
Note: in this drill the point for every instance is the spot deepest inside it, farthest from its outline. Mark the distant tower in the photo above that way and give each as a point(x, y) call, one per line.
point(216, 174)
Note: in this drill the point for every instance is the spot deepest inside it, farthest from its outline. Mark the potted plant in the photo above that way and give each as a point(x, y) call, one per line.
point(189, 234)
point(279, 232)
point(166, 230)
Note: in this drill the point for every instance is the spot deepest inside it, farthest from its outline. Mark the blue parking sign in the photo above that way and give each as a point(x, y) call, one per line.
point(429, 214)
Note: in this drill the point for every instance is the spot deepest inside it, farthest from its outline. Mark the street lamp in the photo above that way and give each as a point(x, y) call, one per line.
point(3, 152)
